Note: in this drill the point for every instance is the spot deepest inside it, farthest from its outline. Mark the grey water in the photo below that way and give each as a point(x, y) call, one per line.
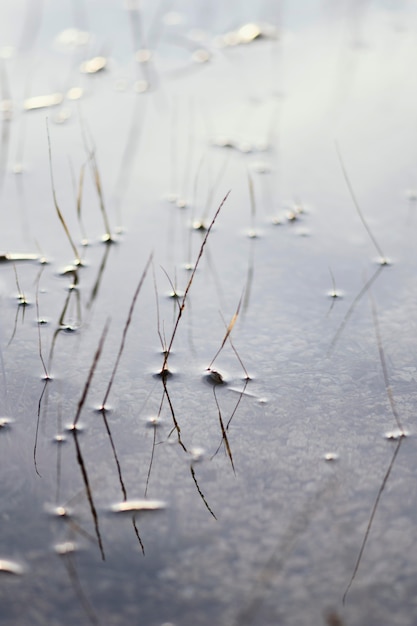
point(278, 486)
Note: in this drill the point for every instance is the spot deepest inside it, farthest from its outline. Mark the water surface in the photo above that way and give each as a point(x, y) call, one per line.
point(305, 512)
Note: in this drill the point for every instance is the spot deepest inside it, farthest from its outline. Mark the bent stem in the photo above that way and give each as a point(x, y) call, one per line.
point(58, 210)
point(357, 207)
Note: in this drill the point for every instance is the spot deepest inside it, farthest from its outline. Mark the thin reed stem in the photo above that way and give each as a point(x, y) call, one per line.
point(227, 335)
point(383, 361)
point(125, 329)
point(187, 289)
point(371, 519)
point(358, 209)
point(91, 374)
point(58, 210)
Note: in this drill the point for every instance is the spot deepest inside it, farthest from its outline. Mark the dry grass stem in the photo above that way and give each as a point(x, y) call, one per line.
point(125, 329)
point(187, 289)
point(91, 374)
point(227, 335)
point(58, 210)
point(358, 209)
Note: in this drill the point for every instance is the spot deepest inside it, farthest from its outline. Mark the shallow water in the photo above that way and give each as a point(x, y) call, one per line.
point(306, 512)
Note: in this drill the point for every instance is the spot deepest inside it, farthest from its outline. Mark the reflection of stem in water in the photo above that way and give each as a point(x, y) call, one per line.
point(113, 447)
point(125, 330)
point(148, 476)
point(59, 440)
point(388, 388)
point(224, 434)
point(39, 323)
point(135, 18)
point(215, 276)
point(96, 286)
point(24, 220)
point(80, 14)
point(5, 131)
point(176, 426)
point(276, 562)
point(15, 325)
point(78, 193)
point(47, 377)
point(175, 294)
point(193, 205)
point(18, 164)
point(161, 335)
point(91, 374)
point(88, 492)
point(68, 517)
point(213, 189)
point(31, 25)
point(352, 307)
point(157, 26)
point(189, 156)
point(174, 152)
point(227, 334)
point(252, 232)
point(241, 394)
point(334, 294)
point(131, 149)
point(35, 446)
point(5, 408)
point(202, 496)
point(74, 431)
point(22, 304)
point(194, 477)
point(139, 43)
point(371, 518)
point(135, 528)
point(401, 436)
point(249, 277)
point(111, 381)
point(62, 325)
point(68, 558)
